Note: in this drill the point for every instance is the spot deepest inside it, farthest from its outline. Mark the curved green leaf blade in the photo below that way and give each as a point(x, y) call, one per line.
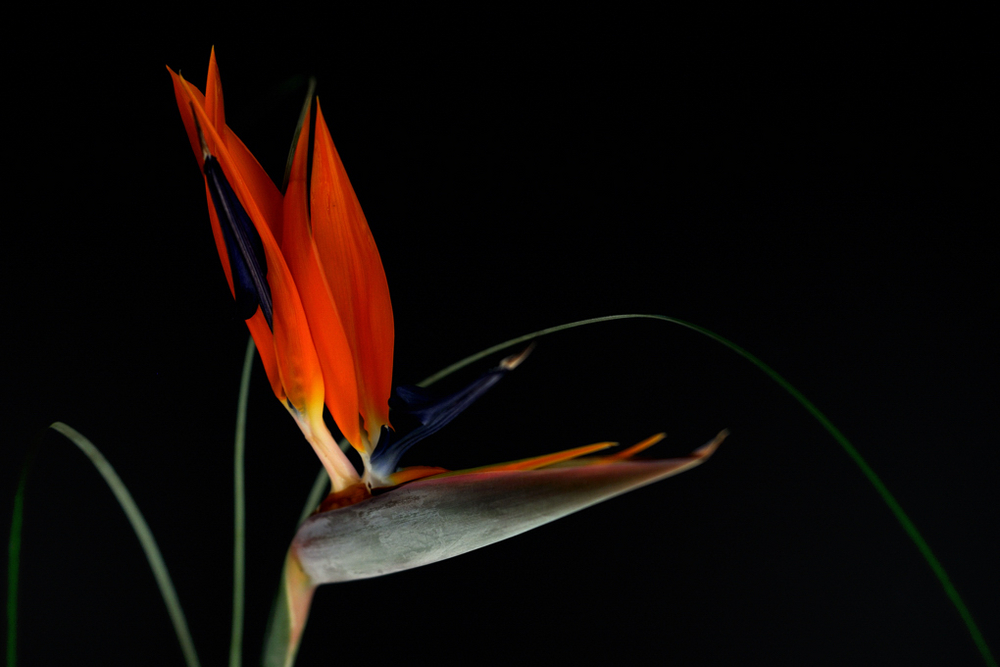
point(140, 527)
point(897, 511)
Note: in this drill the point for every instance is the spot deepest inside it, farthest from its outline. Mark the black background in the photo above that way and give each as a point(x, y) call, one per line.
point(814, 193)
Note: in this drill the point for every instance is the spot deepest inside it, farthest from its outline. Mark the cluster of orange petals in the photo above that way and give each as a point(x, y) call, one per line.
point(331, 336)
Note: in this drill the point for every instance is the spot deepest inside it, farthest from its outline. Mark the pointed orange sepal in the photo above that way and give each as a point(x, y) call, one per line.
point(332, 348)
point(412, 473)
point(536, 462)
point(355, 278)
point(704, 451)
point(265, 192)
point(635, 449)
point(214, 106)
point(296, 363)
point(189, 101)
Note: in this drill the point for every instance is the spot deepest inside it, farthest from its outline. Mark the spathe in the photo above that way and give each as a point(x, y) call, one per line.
point(436, 518)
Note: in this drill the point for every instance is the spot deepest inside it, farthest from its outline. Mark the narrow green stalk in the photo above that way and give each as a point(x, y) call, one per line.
point(907, 524)
point(13, 570)
point(904, 520)
point(140, 527)
point(14, 554)
point(240, 515)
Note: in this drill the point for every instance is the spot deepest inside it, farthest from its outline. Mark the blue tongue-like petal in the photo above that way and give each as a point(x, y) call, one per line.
point(243, 245)
point(433, 412)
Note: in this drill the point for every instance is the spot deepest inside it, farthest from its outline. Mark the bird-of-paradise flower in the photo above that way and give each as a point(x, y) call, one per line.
point(307, 277)
point(271, 250)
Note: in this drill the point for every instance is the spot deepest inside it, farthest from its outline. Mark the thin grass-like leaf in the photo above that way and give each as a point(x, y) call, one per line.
point(239, 511)
point(141, 529)
point(14, 555)
point(897, 511)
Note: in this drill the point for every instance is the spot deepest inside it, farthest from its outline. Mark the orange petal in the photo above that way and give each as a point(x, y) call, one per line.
point(704, 451)
point(214, 106)
point(411, 473)
point(292, 343)
point(332, 348)
point(354, 276)
point(266, 194)
point(536, 462)
point(635, 449)
point(296, 363)
point(186, 95)
point(189, 98)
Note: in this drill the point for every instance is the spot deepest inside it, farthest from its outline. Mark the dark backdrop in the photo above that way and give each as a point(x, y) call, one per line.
point(816, 194)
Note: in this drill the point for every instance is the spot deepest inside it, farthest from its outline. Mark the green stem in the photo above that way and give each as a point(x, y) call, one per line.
point(239, 513)
point(14, 554)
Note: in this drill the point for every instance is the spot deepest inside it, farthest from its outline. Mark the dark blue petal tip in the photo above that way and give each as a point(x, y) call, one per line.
point(432, 412)
point(247, 261)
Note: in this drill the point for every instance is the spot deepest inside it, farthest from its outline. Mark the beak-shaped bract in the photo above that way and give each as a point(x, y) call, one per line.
point(464, 511)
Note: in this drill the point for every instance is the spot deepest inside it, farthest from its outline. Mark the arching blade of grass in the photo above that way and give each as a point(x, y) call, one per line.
point(14, 556)
point(139, 525)
point(239, 511)
point(887, 497)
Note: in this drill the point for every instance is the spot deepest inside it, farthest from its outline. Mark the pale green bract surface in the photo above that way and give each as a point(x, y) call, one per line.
point(433, 519)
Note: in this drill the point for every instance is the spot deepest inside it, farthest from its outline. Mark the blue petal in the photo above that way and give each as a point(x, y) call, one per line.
point(243, 245)
point(433, 412)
